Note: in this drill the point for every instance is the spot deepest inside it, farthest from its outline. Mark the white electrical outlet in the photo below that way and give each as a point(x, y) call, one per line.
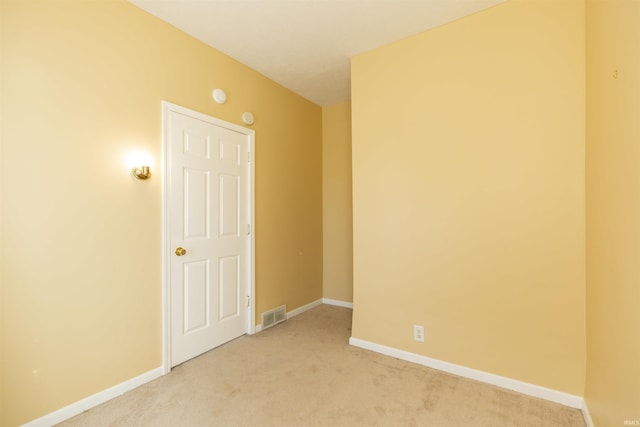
point(418, 333)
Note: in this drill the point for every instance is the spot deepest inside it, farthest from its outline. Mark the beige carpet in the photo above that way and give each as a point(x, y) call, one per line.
point(304, 373)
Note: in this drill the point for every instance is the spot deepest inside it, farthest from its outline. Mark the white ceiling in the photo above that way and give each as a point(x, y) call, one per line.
point(305, 45)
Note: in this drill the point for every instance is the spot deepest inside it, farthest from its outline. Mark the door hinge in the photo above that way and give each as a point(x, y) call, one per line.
point(248, 301)
point(248, 229)
point(249, 156)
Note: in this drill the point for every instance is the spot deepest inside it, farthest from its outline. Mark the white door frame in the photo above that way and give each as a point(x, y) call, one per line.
point(166, 249)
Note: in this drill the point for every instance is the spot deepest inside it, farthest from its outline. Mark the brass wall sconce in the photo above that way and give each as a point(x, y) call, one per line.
point(142, 172)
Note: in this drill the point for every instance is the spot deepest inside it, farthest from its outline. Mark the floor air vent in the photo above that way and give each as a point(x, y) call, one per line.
point(273, 317)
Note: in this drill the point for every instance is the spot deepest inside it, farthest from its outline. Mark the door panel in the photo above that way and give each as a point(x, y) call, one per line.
point(229, 209)
point(196, 144)
point(196, 286)
point(229, 285)
point(196, 204)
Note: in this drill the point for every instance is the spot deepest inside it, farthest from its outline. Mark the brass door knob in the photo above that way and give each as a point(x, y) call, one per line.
point(180, 251)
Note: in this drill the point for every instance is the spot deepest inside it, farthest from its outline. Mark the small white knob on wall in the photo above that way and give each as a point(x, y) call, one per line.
point(219, 96)
point(247, 118)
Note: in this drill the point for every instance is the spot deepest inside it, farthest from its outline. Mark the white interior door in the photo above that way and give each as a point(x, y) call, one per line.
point(210, 267)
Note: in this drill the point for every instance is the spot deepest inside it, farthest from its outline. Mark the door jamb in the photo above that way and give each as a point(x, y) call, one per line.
point(166, 249)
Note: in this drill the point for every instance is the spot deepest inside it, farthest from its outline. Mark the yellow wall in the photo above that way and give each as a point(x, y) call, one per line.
point(1, 214)
point(613, 211)
point(337, 203)
point(468, 193)
point(82, 84)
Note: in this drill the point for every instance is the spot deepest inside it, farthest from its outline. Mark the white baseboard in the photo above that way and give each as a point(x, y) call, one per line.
point(485, 377)
point(304, 308)
point(508, 383)
point(586, 414)
point(94, 400)
point(337, 303)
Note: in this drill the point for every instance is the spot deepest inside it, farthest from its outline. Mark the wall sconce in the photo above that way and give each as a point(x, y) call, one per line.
point(141, 172)
point(139, 162)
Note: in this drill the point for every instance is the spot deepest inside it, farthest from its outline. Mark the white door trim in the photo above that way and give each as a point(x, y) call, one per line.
point(166, 249)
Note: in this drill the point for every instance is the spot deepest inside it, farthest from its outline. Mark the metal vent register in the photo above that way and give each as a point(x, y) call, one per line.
point(273, 317)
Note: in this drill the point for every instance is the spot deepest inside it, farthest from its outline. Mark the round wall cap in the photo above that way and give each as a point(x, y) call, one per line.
point(219, 96)
point(247, 118)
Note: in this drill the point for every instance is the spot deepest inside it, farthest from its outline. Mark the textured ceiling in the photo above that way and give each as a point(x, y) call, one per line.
point(305, 45)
